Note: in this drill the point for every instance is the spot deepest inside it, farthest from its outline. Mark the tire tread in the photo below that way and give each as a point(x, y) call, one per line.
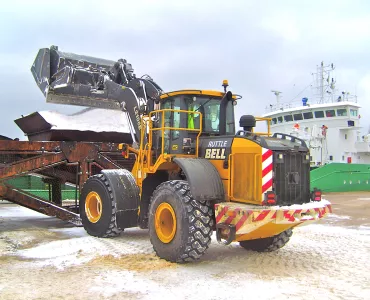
point(268, 244)
point(200, 219)
point(112, 229)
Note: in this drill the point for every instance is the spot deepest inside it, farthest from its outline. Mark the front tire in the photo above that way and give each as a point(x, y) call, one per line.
point(268, 244)
point(98, 207)
point(180, 227)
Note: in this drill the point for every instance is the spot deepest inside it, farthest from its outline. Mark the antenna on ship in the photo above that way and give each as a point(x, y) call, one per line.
point(277, 94)
point(325, 83)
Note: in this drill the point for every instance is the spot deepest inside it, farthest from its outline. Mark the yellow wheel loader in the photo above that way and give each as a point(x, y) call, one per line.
point(194, 172)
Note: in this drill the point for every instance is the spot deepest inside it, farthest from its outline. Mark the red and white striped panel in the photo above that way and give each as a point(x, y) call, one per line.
point(266, 171)
point(248, 218)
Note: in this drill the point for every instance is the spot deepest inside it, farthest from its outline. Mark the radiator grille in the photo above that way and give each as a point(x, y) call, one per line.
point(292, 178)
point(246, 177)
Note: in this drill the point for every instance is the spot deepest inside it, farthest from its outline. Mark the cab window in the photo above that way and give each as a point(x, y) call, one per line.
point(210, 109)
point(172, 119)
point(211, 116)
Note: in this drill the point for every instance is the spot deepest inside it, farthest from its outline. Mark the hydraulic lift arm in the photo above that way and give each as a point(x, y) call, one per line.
point(71, 79)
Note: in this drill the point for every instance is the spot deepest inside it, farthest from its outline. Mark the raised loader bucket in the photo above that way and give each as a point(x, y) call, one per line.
point(68, 78)
point(41, 69)
point(71, 79)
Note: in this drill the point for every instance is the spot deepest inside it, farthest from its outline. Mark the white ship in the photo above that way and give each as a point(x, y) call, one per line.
point(329, 123)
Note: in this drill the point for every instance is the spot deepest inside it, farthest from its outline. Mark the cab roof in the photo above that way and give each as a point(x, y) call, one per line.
point(194, 92)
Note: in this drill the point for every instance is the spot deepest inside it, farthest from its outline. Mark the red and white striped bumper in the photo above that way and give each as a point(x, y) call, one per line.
point(268, 220)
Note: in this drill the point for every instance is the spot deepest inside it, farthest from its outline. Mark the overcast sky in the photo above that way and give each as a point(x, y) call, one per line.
point(257, 45)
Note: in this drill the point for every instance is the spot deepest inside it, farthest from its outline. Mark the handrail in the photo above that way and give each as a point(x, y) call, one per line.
point(268, 121)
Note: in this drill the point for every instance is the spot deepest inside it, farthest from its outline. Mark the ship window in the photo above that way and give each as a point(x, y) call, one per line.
point(345, 136)
point(288, 118)
point(353, 112)
point(297, 117)
point(308, 115)
point(280, 119)
point(273, 121)
point(342, 112)
point(330, 113)
point(319, 114)
point(342, 157)
point(331, 157)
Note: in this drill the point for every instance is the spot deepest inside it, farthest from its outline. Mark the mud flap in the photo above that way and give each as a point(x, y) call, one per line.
point(204, 181)
point(126, 193)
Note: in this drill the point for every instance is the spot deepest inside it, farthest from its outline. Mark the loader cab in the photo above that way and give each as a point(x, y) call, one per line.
point(187, 115)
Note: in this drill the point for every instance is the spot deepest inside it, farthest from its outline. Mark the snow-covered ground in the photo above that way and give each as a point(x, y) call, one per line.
point(43, 258)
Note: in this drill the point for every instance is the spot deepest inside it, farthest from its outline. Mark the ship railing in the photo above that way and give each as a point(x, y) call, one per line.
point(344, 97)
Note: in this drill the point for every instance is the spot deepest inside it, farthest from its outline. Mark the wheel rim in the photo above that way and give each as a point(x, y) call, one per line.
point(93, 207)
point(165, 222)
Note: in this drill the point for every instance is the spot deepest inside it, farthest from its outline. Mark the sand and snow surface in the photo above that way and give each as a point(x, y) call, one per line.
point(44, 258)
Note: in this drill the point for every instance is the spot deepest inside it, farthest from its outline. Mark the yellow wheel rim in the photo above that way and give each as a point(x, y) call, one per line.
point(165, 222)
point(93, 207)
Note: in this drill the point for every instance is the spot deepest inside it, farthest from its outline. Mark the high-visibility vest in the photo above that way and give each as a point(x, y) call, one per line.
point(191, 118)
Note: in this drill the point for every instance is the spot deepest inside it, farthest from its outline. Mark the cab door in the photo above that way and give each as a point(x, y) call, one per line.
point(173, 139)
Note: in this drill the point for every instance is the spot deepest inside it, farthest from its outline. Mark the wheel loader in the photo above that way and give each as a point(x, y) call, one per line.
point(195, 173)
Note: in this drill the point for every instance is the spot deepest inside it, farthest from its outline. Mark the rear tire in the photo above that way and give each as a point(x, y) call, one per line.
point(180, 227)
point(98, 207)
point(268, 244)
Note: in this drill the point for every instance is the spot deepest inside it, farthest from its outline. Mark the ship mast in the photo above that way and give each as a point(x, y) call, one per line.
point(277, 94)
point(325, 83)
